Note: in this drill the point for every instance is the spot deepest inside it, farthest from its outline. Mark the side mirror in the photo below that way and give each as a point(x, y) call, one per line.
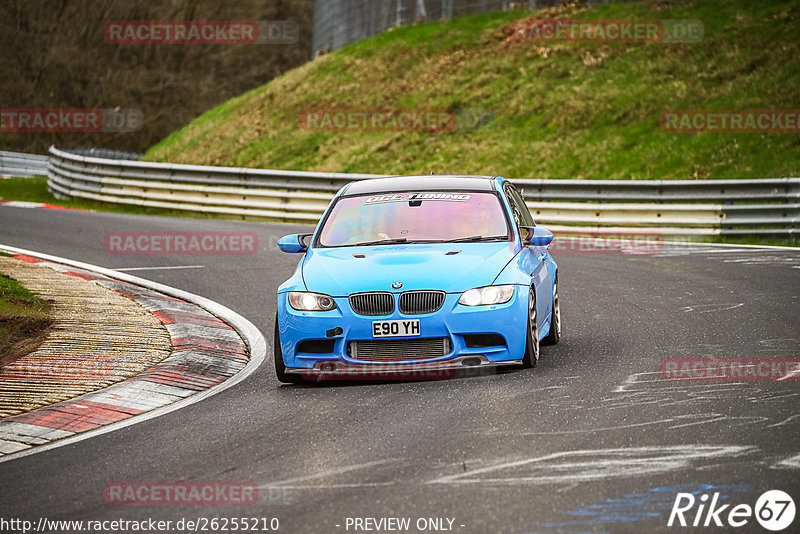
point(537, 236)
point(293, 243)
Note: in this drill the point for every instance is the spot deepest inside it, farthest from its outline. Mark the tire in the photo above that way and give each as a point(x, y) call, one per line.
point(554, 336)
point(531, 356)
point(280, 366)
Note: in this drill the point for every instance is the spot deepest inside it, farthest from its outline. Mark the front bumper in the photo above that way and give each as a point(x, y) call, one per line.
point(339, 327)
point(458, 367)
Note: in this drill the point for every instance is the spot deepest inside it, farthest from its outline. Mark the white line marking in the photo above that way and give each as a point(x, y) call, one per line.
point(711, 308)
point(719, 417)
point(165, 268)
point(323, 474)
point(586, 465)
point(249, 333)
point(333, 486)
point(790, 375)
point(22, 204)
point(792, 462)
point(634, 379)
point(785, 421)
point(593, 430)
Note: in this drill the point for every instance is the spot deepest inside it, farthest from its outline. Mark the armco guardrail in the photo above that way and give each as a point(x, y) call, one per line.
point(22, 165)
point(617, 207)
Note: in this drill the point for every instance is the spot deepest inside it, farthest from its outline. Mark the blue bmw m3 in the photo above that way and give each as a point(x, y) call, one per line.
point(417, 276)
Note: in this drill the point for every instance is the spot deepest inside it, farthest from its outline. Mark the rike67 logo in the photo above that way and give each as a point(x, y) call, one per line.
point(774, 510)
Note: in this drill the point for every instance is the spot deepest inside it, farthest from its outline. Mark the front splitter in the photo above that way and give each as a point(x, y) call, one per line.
point(464, 366)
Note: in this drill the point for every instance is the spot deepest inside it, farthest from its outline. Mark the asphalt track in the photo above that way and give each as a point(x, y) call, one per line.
point(591, 440)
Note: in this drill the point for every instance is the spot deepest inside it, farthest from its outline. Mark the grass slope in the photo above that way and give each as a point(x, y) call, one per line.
point(24, 319)
point(560, 110)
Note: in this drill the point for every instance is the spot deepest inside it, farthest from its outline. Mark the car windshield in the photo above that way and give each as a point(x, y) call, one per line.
point(415, 217)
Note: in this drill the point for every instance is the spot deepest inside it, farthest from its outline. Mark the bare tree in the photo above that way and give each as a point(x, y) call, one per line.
point(54, 55)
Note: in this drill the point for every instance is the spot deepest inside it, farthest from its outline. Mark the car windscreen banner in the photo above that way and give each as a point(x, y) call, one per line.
point(408, 197)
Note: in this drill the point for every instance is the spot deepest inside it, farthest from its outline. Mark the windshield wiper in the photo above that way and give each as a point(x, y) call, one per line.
point(478, 238)
point(403, 240)
point(395, 241)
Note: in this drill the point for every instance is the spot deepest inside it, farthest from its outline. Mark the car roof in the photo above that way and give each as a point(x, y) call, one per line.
point(439, 182)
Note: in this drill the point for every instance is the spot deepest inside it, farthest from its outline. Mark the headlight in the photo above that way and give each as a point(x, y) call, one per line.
point(303, 301)
point(483, 296)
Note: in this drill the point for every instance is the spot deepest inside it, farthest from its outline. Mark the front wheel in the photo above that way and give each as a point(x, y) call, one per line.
point(532, 335)
point(280, 366)
point(554, 336)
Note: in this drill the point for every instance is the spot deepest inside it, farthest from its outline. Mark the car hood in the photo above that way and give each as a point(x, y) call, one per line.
point(337, 272)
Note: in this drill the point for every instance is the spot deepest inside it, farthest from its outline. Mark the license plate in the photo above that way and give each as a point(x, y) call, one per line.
point(400, 328)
